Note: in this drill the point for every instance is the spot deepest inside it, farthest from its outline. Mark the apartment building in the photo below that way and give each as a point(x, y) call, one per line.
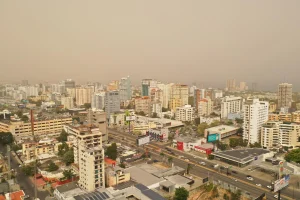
point(230, 85)
point(98, 101)
point(231, 105)
point(42, 128)
point(125, 89)
point(143, 104)
point(285, 92)
point(83, 95)
point(112, 102)
point(67, 102)
point(276, 134)
point(255, 115)
point(99, 119)
point(89, 155)
point(181, 93)
point(115, 176)
point(205, 107)
point(285, 117)
point(185, 113)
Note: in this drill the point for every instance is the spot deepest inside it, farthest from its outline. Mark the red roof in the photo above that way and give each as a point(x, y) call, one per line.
point(2, 197)
point(17, 195)
point(110, 161)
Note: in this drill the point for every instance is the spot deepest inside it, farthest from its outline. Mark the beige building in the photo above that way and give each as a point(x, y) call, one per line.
point(71, 92)
point(89, 155)
point(98, 118)
point(272, 107)
point(276, 134)
point(285, 92)
point(117, 119)
point(285, 117)
point(84, 95)
point(205, 107)
point(67, 102)
point(179, 96)
point(115, 176)
point(143, 104)
point(185, 113)
point(44, 128)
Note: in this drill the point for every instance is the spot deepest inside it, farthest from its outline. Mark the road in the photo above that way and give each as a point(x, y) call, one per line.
point(24, 181)
point(199, 170)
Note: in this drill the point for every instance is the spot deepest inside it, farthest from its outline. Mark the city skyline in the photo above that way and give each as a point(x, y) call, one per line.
point(202, 42)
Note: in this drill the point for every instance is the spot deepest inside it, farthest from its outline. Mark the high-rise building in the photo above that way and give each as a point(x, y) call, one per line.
point(285, 91)
point(112, 86)
point(231, 105)
point(205, 107)
point(166, 88)
point(231, 85)
point(67, 102)
point(89, 155)
point(71, 92)
point(112, 102)
point(58, 88)
point(99, 119)
point(143, 104)
point(180, 94)
point(146, 87)
point(243, 86)
point(276, 134)
point(125, 89)
point(69, 83)
point(255, 115)
point(25, 82)
point(83, 95)
point(185, 113)
point(98, 101)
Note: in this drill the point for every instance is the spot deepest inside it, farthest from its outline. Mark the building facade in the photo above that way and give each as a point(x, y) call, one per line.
point(179, 94)
point(205, 107)
point(255, 115)
point(231, 105)
point(285, 92)
point(125, 89)
point(67, 102)
point(83, 95)
point(112, 102)
point(185, 113)
point(143, 104)
point(98, 101)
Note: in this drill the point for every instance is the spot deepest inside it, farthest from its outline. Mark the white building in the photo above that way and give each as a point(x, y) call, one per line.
point(205, 107)
point(157, 108)
point(255, 115)
point(230, 105)
point(83, 95)
point(67, 102)
point(98, 101)
point(125, 89)
point(166, 88)
point(185, 113)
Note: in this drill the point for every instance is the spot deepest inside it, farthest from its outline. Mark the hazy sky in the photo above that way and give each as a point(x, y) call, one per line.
point(171, 40)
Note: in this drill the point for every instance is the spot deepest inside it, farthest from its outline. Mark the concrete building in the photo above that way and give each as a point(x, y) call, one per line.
point(71, 92)
point(143, 104)
point(180, 94)
point(115, 176)
point(42, 128)
point(185, 113)
point(285, 117)
point(243, 86)
point(67, 102)
point(285, 92)
point(125, 89)
point(205, 107)
point(231, 104)
point(69, 83)
point(230, 85)
point(272, 107)
point(89, 155)
point(83, 95)
point(145, 87)
point(112, 102)
point(112, 86)
point(99, 119)
point(98, 101)
point(117, 119)
point(157, 108)
point(270, 134)
point(255, 115)
point(223, 130)
point(67, 191)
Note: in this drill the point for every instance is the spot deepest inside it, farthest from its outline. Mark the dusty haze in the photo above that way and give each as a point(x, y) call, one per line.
point(170, 40)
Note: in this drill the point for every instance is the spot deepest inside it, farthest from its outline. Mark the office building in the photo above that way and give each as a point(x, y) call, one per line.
point(255, 115)
point(285, 117)
point(166, 89)
point(145, 87)
point(89, 155)
point(83, 95)
point(205, 107)
point(185, 113)
point(143, 104)
point(231, 85)
point(280, 134)
point(179, 95)
point(98, 101)
point(231, 105)
point(285, 92)
point(67, 102)
point(112, 102)
point(125, 89)
point(58, 88)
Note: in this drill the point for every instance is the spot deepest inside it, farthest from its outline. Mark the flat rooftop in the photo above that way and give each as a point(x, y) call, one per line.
point(179, 180)
point(241, 155)
point(222, 129)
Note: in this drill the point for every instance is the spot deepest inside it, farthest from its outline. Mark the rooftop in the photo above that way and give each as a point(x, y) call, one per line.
point(222, 129)
point(179, 180)
point(67, 187)
point(241, 155)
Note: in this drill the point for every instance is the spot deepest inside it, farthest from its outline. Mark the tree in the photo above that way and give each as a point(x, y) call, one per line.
point(19, 113)
point(68, 157)
point(24, 118)
point(166, 116)
point(293, 155)
point(210, 157)
point(16, 147)
point(68, 174)
point(181, 194)
point(240, 131)
point(52, 167)
point(188, 168)
point(28, 170)
point(229, 123)
point(201, 127)
point(236, 196)
point(87, 106)
point(164, 109)
point(38, 103)
point(170, 160)
point(197, 121)
point(191, 101)
point(122, 165)
point(63, 137)
point(141, 113)
point(239, 121)
point(6, 138)
point(154, 115)
point(62, 149)
point(233, 142)
point(255, 145)
point(162, 154)
point(225, 197)
point(111, 151)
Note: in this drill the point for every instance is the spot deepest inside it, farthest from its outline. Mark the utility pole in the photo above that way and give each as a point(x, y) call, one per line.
point(9, 169)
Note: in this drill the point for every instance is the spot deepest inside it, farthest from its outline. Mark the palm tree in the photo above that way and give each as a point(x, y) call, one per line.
point(188, 168)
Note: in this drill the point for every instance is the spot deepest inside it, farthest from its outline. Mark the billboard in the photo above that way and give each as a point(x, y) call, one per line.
point(143, 140)
point(280, 169)
point(130, 118)
point(213, 137)
point(180, 146)
point(281, 183)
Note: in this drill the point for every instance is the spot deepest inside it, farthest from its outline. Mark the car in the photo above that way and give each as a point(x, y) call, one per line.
point(276, 196)
point(269, 186)
point(258, 184)
point(202, 163)
point(250, 178)
point(26, 197)
point(234, 179)
point(234, 172)
point(249, 169)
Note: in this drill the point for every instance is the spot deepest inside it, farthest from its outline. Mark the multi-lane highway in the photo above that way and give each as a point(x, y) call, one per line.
point(237, 179)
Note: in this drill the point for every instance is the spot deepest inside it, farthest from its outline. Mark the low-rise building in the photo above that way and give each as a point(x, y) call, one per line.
point(115, 176)
point(285, 117)
point(223, 130)
point(187, 143)
point(67, 191)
